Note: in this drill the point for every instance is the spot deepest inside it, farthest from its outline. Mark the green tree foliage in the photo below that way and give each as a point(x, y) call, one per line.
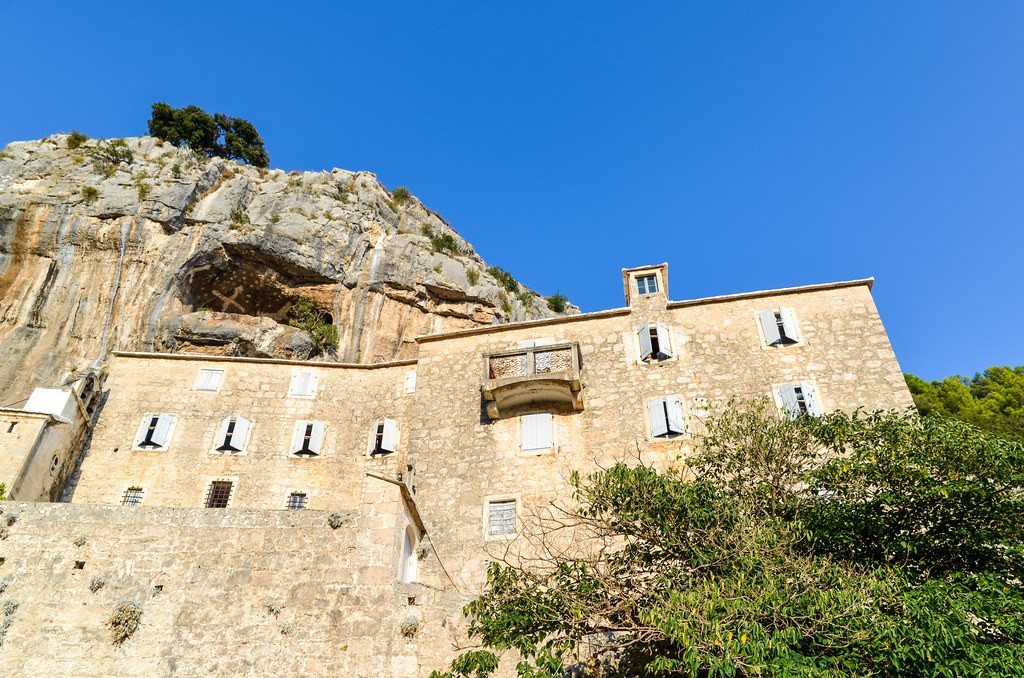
point(992, 400)
point(307, 317)
point(558, 302)
point(845, 545)
point(213, 135)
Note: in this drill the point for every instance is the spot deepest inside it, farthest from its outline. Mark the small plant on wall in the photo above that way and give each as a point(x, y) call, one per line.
point(124, 621)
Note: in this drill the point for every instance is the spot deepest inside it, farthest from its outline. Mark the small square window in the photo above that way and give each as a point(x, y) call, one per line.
point(779, 327)
point(308, 438)
point(232, 435)
point(303, 385)
point(132, 497)
point(799, 398)
point(219, 494)
point(665, 416)
point(209, 380)
point(501, 518)
point(296, 501)
point(655, 342)
point(647, 284)
point(384, 437)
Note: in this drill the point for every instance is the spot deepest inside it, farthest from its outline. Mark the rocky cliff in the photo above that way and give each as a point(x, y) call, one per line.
point(142, 246)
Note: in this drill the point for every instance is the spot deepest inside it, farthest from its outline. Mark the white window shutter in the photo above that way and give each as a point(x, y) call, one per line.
point(372, 444)
point(209, 380)
point(810, 398)
point(656, 414)
point(222, 433)
point(298, 433)
point(664, 341)
point(140, 436)
point(410, 382)
point(770, 328)
point(389, 441)
point(316, 439)
point(163, 429)
point(644, 333)
point(789, 324)
point(241, 432)
point(537, 431)
point(303, 384)
point(789, 402)
point(676, 424)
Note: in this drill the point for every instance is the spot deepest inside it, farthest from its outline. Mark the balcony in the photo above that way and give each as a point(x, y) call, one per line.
point(539, 375)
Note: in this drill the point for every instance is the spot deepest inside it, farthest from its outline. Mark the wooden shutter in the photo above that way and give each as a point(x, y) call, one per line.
point(810, 398)
point(222, 434)
point(789, 402)
point(537, 431)
point(209, 380)
point(658, 419)
point(410, 382)
point(644, 334)
point(303, 384)
point(789, 324)
point(770, 327)
point(163, 429)
point(298, 433)
point(240, 434)
point(389, 441)
point(501, 517)
point(140, 436)
point(664, 341)
point(316, 439)
point(676, 424)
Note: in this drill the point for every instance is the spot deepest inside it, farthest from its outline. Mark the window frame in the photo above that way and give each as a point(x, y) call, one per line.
point(811, 398)
point(788, 317)
point(552, 436)
point(651, 276)
point(317, 438)
point(665, 403)
point(501, 499)
point(385, 431)
point(198, 386)
point(296, 493)
point(208, 489)
point(218, 437)
point(664, 339)
point(170, 422)
point(312, 385)
point(129, 488)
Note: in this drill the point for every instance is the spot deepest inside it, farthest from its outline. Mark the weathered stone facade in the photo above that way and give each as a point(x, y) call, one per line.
point(474, 446)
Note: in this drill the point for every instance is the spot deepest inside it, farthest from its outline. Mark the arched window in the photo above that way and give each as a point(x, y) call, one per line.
point(409, 562)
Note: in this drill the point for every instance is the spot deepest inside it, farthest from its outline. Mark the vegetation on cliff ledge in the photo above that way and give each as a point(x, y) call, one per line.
point(213, 135)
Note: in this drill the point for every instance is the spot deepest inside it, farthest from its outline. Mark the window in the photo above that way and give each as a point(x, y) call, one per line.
point(232, 434)
point(655, 343)
point(296, 501)
point(666, 417)
point(537, 432)
point(799, 398)
point(303, 385)
point(384, 437)
point(779, 327)
point(647, 284)
point(410, 382)
point(154, 431)
point(209, 380)
point(308, 439)
point(501, 518)
point(132, 496)
point(219, 494)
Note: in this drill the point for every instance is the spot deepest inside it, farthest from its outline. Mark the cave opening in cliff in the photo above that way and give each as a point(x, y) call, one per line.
point(246, 281)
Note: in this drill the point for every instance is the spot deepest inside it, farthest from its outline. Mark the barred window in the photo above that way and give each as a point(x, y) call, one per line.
point(296, 501)
point(132, 497)
point(219, 494)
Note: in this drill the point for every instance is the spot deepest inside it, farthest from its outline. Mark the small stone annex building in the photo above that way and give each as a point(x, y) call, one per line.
point(411, 475)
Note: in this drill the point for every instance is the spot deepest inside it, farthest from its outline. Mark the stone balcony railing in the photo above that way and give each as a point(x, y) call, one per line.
point(539, 375)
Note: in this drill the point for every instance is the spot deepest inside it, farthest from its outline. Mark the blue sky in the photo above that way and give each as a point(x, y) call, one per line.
point(750, 145)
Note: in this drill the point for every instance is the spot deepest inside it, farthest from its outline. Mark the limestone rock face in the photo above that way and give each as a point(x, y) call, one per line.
point(176, 252)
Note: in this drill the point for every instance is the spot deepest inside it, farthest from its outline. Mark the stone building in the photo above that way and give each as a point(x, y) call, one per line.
point(424, 465)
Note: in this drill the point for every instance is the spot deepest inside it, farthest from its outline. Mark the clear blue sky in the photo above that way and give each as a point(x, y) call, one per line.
point(750, 145)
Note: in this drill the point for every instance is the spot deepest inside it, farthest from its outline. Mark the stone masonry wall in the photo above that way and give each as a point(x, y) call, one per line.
point(463, 458)
point(348, 400)
point(206, 581)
